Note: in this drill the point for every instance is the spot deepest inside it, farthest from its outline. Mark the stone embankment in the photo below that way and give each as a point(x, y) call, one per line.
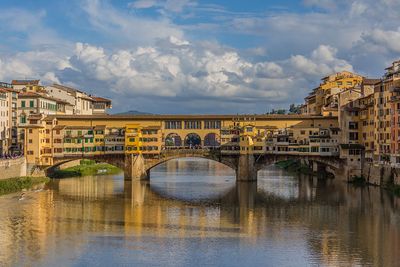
point(12, 168)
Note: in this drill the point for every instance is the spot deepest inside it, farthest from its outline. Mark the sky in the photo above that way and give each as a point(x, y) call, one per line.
point(191, 56)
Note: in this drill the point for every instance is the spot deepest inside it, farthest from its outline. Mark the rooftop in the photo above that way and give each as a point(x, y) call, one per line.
point(367, 81)
point(25, 82)
point(66, 88)
point(243, 117)
point(100, 99)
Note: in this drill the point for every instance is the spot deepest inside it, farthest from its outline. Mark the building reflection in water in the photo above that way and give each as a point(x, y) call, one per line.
point(335, 223)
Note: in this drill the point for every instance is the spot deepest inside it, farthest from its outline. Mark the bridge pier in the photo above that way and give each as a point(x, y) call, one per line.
point(246, 170)
point(135, 168)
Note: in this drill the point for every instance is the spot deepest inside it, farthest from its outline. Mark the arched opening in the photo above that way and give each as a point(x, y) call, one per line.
point(173, 140)
point(193, 140)
point(212, 140)
point(192, 179)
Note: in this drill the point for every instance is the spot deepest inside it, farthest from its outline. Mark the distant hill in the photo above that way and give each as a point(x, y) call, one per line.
point(133, 112)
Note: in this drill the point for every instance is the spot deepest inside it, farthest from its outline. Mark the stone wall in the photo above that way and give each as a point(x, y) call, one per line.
point(379, 174)
point(12, 168)
point(69, 164)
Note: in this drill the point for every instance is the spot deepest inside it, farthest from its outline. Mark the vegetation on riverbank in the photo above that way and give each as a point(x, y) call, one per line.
point(86, 168)
point(359, 181)
point(394, 189)
point(12, 185)
point(294, 166)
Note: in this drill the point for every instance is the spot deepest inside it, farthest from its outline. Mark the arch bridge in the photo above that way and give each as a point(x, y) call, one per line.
point(246, 166)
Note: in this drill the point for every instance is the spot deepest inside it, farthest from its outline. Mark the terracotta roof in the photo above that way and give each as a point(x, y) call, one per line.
point(11, 90)
point(37, 95)
point(67, 88)
point(99, 127)
point(79, 127)
point(59, 127)
point(29, 94)
point(25, 82)
point(35, 116)
point(100, 99)
point(367, 81)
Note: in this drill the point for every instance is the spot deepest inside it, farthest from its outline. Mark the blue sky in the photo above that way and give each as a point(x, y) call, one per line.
point(188, 56)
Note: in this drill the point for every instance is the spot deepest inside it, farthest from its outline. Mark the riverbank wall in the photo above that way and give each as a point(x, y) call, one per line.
point(13, 168)
point(381, 174)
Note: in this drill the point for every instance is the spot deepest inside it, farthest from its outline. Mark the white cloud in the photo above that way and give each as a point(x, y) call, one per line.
point(322, 62)
point(143, 4)
point(156, 59)
point(176, 6)
point(32, 64)
point(326, 4)
point(389, 40)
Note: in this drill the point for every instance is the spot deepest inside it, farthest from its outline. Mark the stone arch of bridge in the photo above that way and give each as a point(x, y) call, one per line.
point(332, 165)
point(115, 160)
point(231, 163)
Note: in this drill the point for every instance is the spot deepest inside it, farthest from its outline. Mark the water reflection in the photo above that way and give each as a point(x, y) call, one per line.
point(193, 213)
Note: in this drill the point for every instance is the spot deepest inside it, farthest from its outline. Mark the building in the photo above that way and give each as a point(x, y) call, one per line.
point(100, 105)
point(8, 118)
point(82, 102)
point(324, 100)
point(4, 122)
point(28, 85)
point(51, 137)
point(392, 84)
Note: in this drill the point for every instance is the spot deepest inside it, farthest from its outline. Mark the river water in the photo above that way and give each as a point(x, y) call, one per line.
point(192, 213)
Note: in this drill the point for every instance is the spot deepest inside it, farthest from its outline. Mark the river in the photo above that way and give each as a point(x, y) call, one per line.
point(192, 213)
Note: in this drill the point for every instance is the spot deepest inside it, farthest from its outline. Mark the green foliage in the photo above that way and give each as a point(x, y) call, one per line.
point(16, 184)
point(86, 168)
point(394, 188)
point(87, 162)
point(278, 111)
point(293, 109)
point(358, 181)
point(294, 166)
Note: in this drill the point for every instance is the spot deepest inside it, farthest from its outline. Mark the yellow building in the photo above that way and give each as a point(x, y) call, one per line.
point(324, 99)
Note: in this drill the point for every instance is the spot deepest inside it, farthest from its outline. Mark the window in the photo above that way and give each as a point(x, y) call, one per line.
point(31, 104)
point(353, 136)
point(173, 125)
point(192, 124)
point(354, 152)
point(23, 119)
point(353, 125)
point(23, 103)
point(212, 124)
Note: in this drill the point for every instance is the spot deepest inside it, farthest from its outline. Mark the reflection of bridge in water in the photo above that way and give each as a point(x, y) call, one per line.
point(244, 211)
point(137, 209)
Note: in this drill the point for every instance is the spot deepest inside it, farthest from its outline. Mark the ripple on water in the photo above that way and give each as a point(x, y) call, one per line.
point(192, 213)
